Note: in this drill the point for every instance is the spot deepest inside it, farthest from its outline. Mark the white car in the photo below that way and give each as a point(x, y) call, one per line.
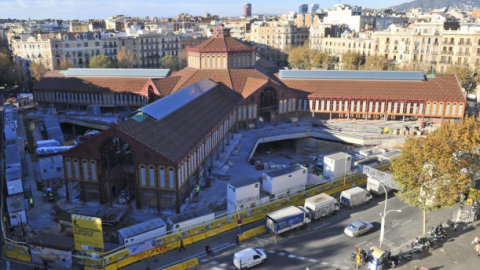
point(358, 228)
point(249, 257)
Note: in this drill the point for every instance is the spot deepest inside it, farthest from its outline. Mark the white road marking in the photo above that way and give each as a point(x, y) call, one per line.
point(222, 265)
point(281, 254)
point(271, 251)
point(324, 263)
point(312, 260)
point(324, 225)
point(361, 243)
point(301, 258)
point(216, 268)
point(406, 222)
point(204, 260)
point(335, 265)
point(233, 267)
point(291, 256)
point(213, 262)
point(331, 239)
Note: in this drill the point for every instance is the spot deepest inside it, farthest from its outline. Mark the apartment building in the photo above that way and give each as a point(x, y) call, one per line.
point(277, 34)
point(426, 46)
point(33, 48)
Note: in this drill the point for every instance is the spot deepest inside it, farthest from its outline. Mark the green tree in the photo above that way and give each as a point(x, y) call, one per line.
point(434, 171)
point(38, 71)
point(101, 61)
point(375, 62)
point(351, 60)
point(464, 75)
point(7, 70)
point(170, 62)
point(298, 58)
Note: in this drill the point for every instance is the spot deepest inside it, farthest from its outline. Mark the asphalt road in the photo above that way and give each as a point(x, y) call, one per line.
point(324, 245)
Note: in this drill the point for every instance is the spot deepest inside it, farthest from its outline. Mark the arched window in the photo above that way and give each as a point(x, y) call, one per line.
point(218, 61)
point(143, 177)
point(208, 61)
point(68, 164)
point(86, 175)
point(151, 175)
point(171, 177)
point(93, 168)
point(76, 169)
point(224, 61)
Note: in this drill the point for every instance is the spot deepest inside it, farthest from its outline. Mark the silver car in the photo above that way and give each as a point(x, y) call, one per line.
point(358, 228)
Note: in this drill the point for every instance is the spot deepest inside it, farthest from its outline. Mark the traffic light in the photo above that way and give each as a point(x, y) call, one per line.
point(359, 257)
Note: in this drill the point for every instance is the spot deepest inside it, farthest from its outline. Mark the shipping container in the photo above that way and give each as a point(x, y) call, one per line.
point(190, 219)
point(286, 181)
point(242, 194)
point(337, 165)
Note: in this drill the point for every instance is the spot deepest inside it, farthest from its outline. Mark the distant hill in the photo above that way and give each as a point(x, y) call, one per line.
point(431, 4)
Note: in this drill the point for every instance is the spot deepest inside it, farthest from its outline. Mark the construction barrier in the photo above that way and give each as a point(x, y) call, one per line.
point(252, 233)
point(17, 252)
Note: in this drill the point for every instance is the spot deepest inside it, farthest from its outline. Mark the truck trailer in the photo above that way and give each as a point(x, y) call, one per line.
point(354, 197)
point(321, 205)
point(374, 187)
point(287, 219)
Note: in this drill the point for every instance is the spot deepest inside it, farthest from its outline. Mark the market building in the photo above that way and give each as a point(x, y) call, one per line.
point(163, 149)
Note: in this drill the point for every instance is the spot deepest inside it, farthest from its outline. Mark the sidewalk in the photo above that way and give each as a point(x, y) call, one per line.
point(456, 253)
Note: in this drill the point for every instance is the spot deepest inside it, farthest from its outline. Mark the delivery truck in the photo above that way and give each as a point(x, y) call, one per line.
point(354, 197)
point(375, 188)
point(287, 219)
point(321, 205)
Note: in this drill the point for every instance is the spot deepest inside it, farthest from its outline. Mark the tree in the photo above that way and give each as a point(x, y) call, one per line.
point(38, 70)
point(170, 62)
point(65, 64)
point(126, 59)
point(434, 171)
point(101, 61)
point(320, 59)
point(7, 70)
point(375, 62)
point(183, 59)
point(464, 75)
point(351, 60)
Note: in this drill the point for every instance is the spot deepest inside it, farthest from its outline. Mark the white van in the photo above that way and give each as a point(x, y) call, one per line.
point(249, 257)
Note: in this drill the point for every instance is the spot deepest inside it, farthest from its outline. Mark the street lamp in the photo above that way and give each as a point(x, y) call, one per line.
point(386, 198)
point(382, 229)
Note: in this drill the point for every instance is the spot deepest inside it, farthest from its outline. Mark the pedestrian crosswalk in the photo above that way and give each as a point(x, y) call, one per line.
point(309, 262)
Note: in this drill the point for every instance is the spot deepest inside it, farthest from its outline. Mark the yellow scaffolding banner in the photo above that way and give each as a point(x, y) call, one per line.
point(87, 233)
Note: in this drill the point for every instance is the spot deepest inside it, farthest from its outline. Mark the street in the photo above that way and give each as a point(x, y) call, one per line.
point(324, 245)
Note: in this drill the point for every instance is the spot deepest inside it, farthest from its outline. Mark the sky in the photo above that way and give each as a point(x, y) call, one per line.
point(102, 9)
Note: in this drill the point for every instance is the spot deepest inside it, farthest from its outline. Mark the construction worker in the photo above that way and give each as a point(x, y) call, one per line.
point(30, 201)
point(197, 190)
point(26, 149)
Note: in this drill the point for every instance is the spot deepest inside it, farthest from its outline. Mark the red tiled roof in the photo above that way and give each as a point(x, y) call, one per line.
point(443, 87)
point(252, 85)
point(175, 135)
point(223, 44)
point(165, 85)
point(56, 81)
point(234, 78)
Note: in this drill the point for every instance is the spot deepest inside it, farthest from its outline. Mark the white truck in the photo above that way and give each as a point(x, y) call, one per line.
point(375, 188)
point(354, 197)
point(321, 205)
point(287, 219)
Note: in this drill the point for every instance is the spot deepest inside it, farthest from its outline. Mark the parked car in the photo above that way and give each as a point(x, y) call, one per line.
point(249, 257)
point(358, 228)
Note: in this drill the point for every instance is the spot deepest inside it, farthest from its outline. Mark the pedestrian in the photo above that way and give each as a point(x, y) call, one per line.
point(210, 171)
point(30, 201)
point(182, 246)
point(197, 190)
point(208, 250)
point(148, 268)
point(26, 149)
